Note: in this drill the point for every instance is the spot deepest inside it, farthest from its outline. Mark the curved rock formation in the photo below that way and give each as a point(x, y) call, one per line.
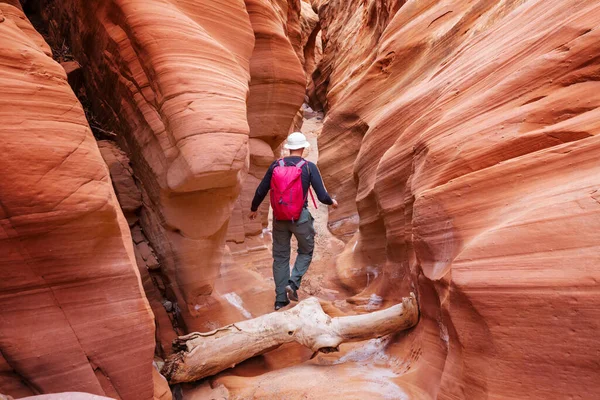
point(175, 92)
point(276, 92)
point(460, 141)
point(311, 39)
point(71, 303)
point(464, 132)
point(172, 80)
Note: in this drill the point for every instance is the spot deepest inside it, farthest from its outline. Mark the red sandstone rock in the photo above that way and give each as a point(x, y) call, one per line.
point(276, 93)
point(277, 86)
point(130, 198)
point(70, 297)
point(165, 332)
point(172, 79)
point(447, 134)
point(11, 12)
point(137, 235)
point(311, 39)
point(144, 250)
point(152, 263)
point(449, 126)
point(177, 103)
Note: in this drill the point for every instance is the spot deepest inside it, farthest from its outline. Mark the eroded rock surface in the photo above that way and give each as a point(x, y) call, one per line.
point(172, 82)
point(172, 79)
point(73, 313)
point(464, 132)
point(460, 140)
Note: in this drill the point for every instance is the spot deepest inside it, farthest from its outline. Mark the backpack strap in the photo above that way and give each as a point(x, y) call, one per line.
point(313, 198)
point(302, 164)
point(281, 162)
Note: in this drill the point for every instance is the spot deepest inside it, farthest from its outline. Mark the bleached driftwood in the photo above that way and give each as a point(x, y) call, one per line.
point(199, 355)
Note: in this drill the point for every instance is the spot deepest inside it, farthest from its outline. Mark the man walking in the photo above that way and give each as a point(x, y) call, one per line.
point(289, 180)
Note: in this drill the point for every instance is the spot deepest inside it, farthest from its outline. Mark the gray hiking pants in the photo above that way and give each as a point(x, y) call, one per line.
point(304, 232)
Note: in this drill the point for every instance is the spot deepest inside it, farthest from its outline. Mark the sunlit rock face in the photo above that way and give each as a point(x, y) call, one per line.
point(73, 315)
point(199, 93)
point(460, 140)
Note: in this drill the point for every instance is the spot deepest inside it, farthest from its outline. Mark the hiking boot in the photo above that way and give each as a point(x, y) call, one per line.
point(291, 292)
point(281, 304)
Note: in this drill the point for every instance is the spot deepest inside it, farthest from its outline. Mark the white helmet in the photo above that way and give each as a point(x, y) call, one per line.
point(296, 141)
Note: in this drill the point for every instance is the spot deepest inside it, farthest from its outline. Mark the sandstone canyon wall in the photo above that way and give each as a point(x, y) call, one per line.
point(460, 140)
point(73, 315)
point(466, 134)
point(199, 94)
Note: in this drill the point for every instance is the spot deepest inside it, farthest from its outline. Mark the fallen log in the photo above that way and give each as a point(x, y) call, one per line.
point(199, 355)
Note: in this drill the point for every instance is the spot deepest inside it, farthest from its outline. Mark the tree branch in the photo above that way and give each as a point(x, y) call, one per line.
point(205, 354)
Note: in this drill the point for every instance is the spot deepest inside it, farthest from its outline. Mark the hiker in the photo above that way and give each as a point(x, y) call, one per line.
point(289, 180)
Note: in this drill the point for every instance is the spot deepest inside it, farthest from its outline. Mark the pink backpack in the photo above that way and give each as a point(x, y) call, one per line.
point(287, 197)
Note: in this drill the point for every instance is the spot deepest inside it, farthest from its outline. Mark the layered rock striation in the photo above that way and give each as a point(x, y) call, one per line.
point(460, 140)
point(465, 134)
point(199, 94)
point(73, 312)
point(276, 93)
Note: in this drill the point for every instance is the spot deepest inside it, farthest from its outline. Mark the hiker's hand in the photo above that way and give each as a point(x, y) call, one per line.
point(252, 215)
point(335, 204)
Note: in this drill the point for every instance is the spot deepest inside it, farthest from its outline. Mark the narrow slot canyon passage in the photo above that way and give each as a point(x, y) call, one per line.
point(460, 140)
point(230, 300)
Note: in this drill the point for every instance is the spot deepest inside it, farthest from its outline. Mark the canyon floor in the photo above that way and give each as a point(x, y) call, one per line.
point(460, 138)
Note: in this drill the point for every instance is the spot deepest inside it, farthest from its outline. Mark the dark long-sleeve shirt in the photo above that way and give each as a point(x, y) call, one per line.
point(308, 179)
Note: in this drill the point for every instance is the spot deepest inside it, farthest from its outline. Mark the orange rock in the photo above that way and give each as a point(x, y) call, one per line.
point(278, 81)
point(130, 197)
point(276, 94)
point(70, 296)
point(311, 39)
point(173, 80)
point(449, 125)
point(172, 83)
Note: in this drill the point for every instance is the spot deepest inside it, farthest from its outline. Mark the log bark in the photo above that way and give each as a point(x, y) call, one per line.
point(204, 354)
